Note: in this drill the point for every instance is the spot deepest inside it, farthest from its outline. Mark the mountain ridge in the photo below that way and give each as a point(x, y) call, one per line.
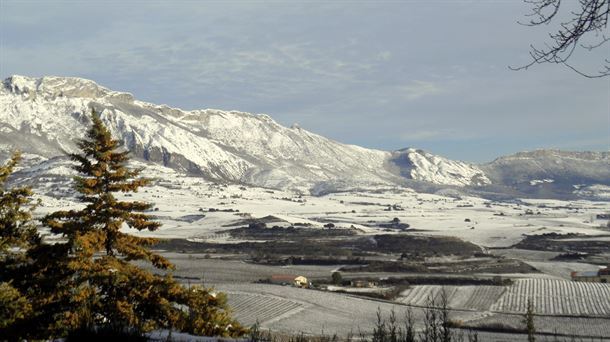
point(44, 115)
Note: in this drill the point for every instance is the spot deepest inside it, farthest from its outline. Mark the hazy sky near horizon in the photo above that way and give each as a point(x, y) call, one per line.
point(380, 74)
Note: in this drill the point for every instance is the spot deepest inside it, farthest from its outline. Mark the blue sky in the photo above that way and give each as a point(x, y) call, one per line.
point(380, 74)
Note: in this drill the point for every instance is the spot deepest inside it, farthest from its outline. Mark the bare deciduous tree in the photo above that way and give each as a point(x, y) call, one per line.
point(589, 22)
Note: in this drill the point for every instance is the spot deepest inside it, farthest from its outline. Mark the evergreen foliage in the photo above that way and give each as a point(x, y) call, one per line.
point(100, 287)
point(17, 230)
point(13, 307)
point(17, 235)
point(97, 226)
point(337, 278)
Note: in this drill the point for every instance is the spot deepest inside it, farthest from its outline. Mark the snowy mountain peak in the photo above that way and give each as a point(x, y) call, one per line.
point(44, 117)
point(423, 166)
point(52, 87)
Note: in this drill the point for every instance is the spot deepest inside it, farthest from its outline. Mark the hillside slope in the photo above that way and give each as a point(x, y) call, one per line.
point(45, 116)
point(552, 173)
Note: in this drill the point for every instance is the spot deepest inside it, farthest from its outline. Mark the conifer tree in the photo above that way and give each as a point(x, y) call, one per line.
point(97, 226)
point(106, 289)
point(17, 235)
point(16, 206)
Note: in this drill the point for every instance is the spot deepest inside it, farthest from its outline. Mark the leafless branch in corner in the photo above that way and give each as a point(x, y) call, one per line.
point(590, 20)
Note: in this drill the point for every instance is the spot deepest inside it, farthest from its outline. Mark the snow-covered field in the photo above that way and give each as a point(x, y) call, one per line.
point(284, 308)
point(549, 297)
point(468, 297)
point(598, 329)
point(318, 311)
point(556, 297)
point(199, 210)
point(192, 208)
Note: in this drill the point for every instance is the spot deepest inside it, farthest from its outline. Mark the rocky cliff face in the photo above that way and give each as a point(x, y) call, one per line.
point(45, 116)
point(423, 166)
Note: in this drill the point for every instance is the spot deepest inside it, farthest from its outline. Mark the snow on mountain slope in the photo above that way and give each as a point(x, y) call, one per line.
point(423, 166)
point(44, 116)
point(551, 172)
point(550, 164)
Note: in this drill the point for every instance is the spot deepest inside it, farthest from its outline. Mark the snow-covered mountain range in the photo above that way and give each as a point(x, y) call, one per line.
point(44, 116)
point(552, 173)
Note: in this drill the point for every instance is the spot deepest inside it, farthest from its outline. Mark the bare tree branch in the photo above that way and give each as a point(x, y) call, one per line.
point(589, 21)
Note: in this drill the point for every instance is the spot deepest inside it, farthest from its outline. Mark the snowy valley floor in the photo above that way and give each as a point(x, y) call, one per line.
point(532, 246)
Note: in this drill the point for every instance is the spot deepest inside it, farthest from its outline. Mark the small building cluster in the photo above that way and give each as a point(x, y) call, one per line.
point(600, 276)
point(285, 279)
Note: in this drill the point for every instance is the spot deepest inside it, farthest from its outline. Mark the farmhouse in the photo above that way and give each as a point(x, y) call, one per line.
point(286, 279)
point(601, 276)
